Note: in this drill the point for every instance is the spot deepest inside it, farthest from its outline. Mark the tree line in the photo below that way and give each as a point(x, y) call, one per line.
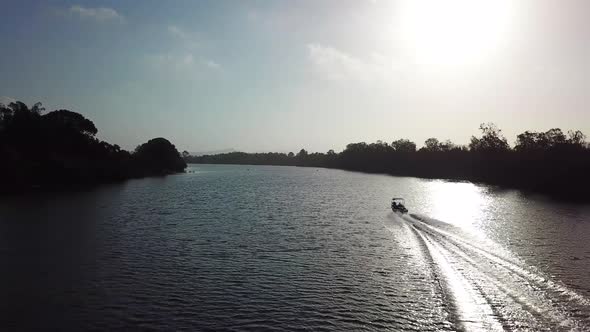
point(40, 149)
point(551, 162)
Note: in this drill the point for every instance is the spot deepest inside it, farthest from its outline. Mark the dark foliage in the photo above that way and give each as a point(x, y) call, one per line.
point(550, 162)
point(58, 149)
point(157, 156)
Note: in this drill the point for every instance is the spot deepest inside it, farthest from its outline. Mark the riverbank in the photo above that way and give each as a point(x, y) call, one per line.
point(551, 162)
point(559, 174)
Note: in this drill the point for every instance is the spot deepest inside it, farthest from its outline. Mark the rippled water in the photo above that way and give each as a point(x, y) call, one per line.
point(284, 248)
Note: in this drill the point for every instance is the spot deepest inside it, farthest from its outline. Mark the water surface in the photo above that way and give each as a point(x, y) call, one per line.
point(285, 248)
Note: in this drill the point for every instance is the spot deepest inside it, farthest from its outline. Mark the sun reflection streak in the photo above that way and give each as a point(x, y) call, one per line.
point(461, 204)
point(472, 311)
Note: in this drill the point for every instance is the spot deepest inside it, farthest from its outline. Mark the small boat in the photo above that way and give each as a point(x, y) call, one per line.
point(397, 205)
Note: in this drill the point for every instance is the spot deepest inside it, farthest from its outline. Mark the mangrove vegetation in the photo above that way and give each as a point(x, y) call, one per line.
point(551, 162)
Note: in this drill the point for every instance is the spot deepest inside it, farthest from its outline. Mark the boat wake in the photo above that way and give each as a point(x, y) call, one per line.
point(487, 288)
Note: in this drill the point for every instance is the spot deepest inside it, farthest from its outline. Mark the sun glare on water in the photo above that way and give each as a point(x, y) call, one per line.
point(460, 204)
point(454, 32)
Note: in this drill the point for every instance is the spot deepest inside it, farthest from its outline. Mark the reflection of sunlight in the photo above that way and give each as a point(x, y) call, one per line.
point(472, 309)
point(461, 204)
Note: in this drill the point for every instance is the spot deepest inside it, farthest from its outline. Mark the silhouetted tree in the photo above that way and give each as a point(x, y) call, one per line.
point(551, 139)
point(491, 140)
point(59, 149)
point(530, 141)
point(403, 145)
point(64, 120)
point(158, 155)
point(555, 137)
point(447, 146)
point(302, 153)
point(431, 145)
point(576, 138)
point(547, 162)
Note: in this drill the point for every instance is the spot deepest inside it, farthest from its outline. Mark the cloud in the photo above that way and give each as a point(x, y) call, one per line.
point(186, 38)
point(171, 61)
point(177, 32)
point(211, 64)
point(100, 14)
point(333, 64)
point(179, 62)
point(183, 56)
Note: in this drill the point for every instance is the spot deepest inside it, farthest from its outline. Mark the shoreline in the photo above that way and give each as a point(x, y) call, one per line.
point(550, 194)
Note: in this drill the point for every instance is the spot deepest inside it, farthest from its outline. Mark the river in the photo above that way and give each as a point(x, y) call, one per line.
point(284, 248)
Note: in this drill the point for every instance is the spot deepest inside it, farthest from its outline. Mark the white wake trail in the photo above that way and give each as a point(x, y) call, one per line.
point(492, 289)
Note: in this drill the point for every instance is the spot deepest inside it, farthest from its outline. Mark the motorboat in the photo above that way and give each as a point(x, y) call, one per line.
point(398, 205)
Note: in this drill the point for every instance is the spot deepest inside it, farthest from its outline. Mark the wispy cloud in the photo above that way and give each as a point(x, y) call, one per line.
point(187, 39)
point(100, 14)
point(182, 57)
point(179, 62)
point(333, 64)
point(177, 32)
point(211, 64)
point(171, 61)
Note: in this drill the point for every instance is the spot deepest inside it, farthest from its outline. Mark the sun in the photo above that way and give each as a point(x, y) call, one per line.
point(454, 32)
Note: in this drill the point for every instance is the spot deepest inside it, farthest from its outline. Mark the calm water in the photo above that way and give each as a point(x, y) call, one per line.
point(284, 248)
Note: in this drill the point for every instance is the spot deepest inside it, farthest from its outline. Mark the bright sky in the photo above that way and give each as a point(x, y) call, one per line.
point(285, 75)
